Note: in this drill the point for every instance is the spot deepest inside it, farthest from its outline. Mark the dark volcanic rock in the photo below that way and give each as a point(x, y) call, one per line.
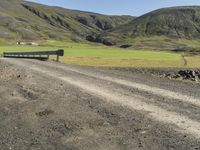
point(96, 39)
point(107, 42)
point(189, 74)
point(93, 38)
point(125, 46)
point(90, 38)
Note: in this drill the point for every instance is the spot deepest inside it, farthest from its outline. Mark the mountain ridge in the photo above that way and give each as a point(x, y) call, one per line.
point(24, 20)
point(27, 20)
point(184, 20)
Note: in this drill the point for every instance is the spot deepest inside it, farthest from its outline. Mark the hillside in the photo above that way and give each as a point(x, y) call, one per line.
point(180, 22)
point(31, 21)
point(176, 28)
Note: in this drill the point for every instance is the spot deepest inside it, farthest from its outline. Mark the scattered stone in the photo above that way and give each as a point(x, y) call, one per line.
point(192, 75)
point(13, 93)
point(46, 112)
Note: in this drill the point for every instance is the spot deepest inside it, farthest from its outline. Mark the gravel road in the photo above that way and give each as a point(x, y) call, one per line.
point(51, 106)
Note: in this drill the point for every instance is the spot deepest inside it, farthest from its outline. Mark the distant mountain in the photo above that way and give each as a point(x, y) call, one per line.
point(179, 22)
point(31, 21)
point(23, 20)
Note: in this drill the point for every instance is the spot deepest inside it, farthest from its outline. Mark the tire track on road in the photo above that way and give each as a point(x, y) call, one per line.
point(142, 87)
point(180, 122)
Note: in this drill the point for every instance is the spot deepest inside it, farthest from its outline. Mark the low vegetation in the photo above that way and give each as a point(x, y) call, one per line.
point(163, 38)
point(98, 55)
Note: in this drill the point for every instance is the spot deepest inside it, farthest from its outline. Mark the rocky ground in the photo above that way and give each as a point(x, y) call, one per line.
point(188, 75)
point(191, 75)
point(50, 106)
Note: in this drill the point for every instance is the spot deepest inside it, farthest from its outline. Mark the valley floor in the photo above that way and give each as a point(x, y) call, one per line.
point(48, 106)
point(104, 56)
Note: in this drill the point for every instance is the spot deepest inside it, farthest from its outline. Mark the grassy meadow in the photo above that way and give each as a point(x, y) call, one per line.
point(99, 55)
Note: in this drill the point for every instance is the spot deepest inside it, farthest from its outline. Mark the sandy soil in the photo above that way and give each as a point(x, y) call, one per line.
point(49, 106)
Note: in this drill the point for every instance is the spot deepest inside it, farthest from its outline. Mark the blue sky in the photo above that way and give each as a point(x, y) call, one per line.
point(118, 7)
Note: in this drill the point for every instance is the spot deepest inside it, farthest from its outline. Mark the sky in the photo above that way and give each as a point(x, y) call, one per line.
point(118, 7)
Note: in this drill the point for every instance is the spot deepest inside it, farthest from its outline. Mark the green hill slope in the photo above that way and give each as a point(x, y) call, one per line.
point(176, 29)
point(181, 22)
point(30, 21)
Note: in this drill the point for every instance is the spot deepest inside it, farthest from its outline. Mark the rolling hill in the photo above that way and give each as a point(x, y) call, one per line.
point(176, 28)
point(31, 21)
point(179, 22)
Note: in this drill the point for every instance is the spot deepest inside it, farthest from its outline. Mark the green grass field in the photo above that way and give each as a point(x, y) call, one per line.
point(98, 55)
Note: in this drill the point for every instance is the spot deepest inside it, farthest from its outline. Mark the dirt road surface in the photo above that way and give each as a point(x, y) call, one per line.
point(51, 106)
